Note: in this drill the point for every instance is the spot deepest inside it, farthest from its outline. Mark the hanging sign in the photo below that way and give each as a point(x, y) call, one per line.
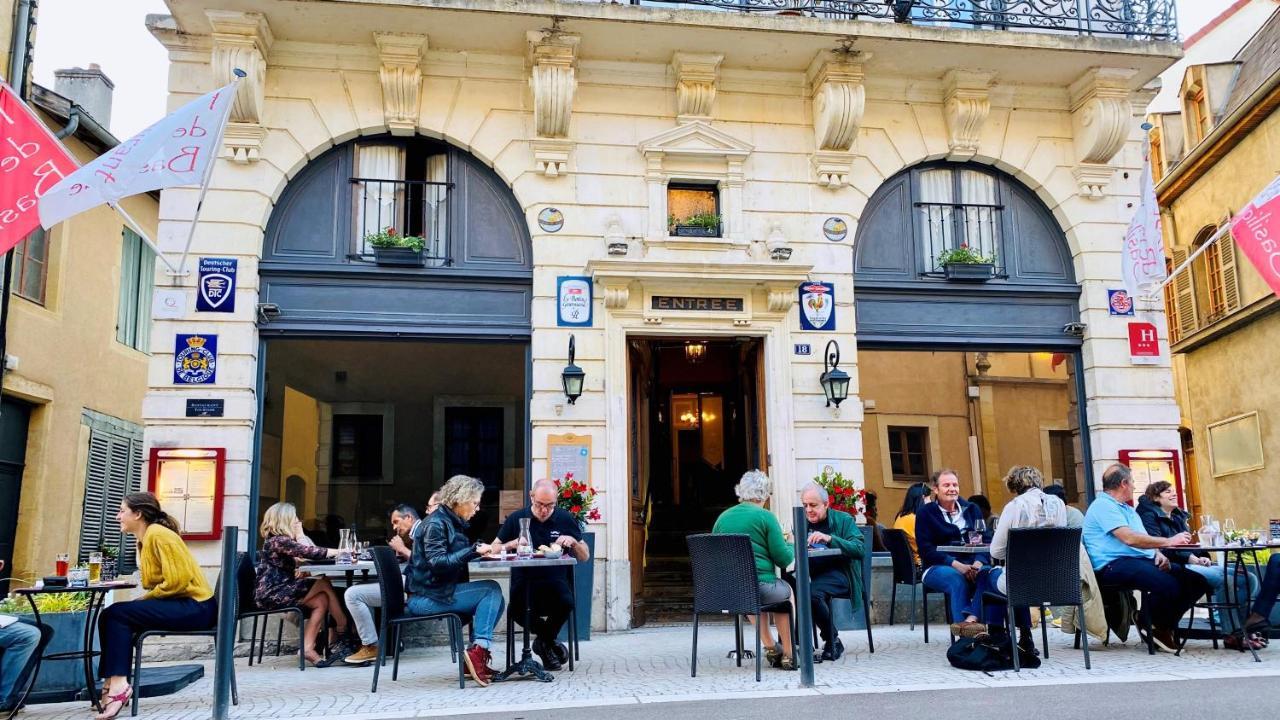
point(573, 301)
point(817, 306)
point(1119, 302)
point(216, 288)
point(1144, 344)
point(195, 359)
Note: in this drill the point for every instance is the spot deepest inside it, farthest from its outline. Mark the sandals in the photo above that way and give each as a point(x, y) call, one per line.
point(788, 663)
point(123, 697)
point(1237, 641)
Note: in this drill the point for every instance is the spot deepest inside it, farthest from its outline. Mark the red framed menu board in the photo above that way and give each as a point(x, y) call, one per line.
point(1149, 466)
point(189, 484)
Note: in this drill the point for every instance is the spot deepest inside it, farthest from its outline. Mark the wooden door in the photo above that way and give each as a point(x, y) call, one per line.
point(753, 402)
point(639, 397)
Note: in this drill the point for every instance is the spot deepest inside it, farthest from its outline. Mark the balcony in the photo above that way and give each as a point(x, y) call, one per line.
point(412, 208)
point(1131, 19)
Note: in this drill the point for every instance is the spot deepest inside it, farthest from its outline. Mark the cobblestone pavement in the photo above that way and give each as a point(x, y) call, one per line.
point(652, 665)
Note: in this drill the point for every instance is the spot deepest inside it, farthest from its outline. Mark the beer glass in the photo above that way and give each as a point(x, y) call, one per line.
point(95, 567)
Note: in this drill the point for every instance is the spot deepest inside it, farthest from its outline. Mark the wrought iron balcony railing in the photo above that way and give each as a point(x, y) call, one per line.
point(409, 207)
point(1133, 19)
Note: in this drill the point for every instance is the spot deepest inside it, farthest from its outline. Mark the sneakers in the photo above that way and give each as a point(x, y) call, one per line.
point(547, 654)
point(366, 654)
point(477, 661)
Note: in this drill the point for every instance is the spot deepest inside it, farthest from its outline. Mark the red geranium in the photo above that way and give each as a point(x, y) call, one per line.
point(578, 498)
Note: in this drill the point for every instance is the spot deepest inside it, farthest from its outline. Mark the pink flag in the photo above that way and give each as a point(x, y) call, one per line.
point(32, 161)
point(177, 150)
point(1142, 260)
point(1257, 232)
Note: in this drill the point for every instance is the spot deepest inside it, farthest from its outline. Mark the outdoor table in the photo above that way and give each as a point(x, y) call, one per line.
point(822, 552)
point(965, 549)
point(1228, 603)
point(97, 597)
point(365, 567)
point(527, 665)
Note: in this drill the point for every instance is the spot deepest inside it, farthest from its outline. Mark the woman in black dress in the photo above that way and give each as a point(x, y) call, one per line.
point(280, 586)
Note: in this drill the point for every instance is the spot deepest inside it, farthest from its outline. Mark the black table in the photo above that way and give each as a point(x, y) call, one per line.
point(1228, 603)
point(965, 549)
point(97, 597)
point(527, 666)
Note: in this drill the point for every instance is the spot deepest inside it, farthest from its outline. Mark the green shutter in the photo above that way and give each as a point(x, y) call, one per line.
point(146, 289)
point(114, 470)
point(127, 313)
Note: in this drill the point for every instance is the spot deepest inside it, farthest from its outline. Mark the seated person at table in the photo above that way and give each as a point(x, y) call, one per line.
point(1031, 507)
point(177, 598)
point(918, 494)
point(18, 643)
point(436, 576)
point(984, 506)
point(1258, 625)
point(433, 502)
point(1125, 556)
point(1161, 516)
point(549, 594)
point(1075, 518)
point(279, 585)
point(947, 521)
point(772, 552)
point(831, 577)
point(360, 598)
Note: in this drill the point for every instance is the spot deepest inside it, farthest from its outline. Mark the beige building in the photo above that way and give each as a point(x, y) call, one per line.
point(1212, 157)
point(696, 200)
point(79, 320)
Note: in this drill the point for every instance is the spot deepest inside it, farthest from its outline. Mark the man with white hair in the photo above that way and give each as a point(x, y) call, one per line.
point(831, 577)
point(550, 596)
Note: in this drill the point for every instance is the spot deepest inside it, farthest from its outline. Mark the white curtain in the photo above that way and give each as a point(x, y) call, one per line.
point(435, 218)
point(936, 187)
point(378, 204)
point(981, 227)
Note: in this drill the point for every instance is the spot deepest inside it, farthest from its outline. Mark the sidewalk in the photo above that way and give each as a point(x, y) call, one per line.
point(652, 666)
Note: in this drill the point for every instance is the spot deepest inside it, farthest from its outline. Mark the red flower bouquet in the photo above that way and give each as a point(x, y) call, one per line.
point(578, 498)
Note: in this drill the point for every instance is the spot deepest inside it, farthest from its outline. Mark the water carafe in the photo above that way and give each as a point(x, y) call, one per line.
point(524, 544)
point(346, 545)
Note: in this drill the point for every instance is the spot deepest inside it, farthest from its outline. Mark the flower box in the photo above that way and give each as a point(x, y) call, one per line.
point(969, 272)
point(397, 256)
point(696, 231)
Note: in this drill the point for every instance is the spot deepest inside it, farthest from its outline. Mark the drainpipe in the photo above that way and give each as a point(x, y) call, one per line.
point(73, 123)
point(21, 44)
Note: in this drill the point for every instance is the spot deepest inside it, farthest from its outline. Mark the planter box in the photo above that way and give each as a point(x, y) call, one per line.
point(584, 582)
point(396, 256)
point(970, 272)
point(61, 680)
point(696, 231)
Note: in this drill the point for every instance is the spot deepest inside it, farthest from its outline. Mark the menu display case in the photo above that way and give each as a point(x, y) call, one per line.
point(189, 483)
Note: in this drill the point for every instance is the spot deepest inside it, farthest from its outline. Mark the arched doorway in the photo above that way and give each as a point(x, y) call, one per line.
point(968, 334)
point(396, 282)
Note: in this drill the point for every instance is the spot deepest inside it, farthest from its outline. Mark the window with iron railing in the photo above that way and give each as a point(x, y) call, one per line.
point(402, 189)
point(957, 208)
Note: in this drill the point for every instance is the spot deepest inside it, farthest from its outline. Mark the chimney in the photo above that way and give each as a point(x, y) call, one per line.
point(90, 89)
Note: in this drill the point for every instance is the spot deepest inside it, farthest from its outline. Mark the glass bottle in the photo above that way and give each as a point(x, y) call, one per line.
point(524, 544)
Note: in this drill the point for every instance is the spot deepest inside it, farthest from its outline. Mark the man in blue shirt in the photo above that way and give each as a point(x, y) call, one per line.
point(1125, 556)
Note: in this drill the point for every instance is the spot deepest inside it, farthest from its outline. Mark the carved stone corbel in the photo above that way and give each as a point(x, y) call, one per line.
point(553, 58)
point(616, 297)
point(696, 78)
point(400, 72)
point(781, 298)
point(966, 104)
point(241, 40)
point(1101, 113)
point(839, 100)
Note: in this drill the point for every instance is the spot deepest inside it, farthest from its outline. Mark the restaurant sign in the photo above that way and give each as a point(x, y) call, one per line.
point(696, 304)
point(573, 301)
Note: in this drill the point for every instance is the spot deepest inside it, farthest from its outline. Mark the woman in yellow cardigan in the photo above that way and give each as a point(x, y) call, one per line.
point(178, 597)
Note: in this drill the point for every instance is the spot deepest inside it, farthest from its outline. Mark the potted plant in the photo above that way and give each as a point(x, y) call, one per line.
point(579, 500)
point(843, 496)
point(67, 614)
point(699, 225)
point(966, 264)
point(392, 248)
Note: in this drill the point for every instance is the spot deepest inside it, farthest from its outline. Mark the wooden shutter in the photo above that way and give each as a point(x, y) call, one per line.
point(115, 469)
point(1230, 277)
point(1184, 296)
point(95, 493)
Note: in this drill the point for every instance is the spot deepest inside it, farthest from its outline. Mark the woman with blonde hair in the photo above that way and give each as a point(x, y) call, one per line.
point(279, 585)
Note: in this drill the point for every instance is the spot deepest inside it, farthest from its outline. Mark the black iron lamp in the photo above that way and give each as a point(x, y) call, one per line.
point(835, 382)
point(572, 376)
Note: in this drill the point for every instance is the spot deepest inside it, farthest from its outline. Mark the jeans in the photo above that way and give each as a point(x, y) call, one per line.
point(1172, 592)
point(120, 622)
point(550, 604)
point(1270, 588)
point(958, 589)
point(480, 599)
point(18, 643)
point(1214, 574)
point(359, 599)
point(989, 581)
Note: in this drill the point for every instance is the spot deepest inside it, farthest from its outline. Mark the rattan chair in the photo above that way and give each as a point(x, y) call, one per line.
point(725, 583)
point(395, 617)
point(246, 582)
point(905, 570)
point(1043, 568)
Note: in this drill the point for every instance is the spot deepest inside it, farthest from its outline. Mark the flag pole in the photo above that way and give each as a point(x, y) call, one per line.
point(1226, 227)
point(204, 185)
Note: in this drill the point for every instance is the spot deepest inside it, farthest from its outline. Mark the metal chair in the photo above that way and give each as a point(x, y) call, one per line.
point(725, 583)
point(246, 582)
point(395, 617)
point(1043, 568)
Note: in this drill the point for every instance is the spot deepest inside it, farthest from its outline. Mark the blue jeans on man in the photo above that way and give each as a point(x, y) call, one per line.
point(18, 642)
point(959, 591)
point(1172, 591)
point(481, 600)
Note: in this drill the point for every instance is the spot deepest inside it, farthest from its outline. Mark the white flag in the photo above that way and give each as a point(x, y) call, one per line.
point(1143, 257)
point(177, 150)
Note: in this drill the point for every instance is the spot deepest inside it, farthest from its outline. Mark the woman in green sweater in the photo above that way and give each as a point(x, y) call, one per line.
point(772, 552)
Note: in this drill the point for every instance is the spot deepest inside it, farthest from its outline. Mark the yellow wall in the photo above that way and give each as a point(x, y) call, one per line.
point(6, 35)
point(1224, 374)
point(69, 360)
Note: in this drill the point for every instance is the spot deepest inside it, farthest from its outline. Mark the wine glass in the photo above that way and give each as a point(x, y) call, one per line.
point(1229, 529)
point(976, 534)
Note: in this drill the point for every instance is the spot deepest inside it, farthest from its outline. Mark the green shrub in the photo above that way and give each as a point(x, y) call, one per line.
point(51, 603)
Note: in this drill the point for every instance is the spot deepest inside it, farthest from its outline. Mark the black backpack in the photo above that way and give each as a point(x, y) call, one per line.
point(988, 654)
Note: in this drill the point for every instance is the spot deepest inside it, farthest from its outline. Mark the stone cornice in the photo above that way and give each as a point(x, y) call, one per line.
point(400, 73)
point(966, 104)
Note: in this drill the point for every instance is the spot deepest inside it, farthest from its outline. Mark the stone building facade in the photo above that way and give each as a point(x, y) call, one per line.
point(586, 118)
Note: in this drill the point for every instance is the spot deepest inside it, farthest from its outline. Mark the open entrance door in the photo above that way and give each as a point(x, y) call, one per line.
point(696, 424)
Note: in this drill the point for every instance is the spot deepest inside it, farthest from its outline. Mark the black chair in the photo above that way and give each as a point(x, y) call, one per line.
point(725, 583)
point(395, 617)
point(905, 570)
point(212, 632)
point(246, 582)
point(1043, 568)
